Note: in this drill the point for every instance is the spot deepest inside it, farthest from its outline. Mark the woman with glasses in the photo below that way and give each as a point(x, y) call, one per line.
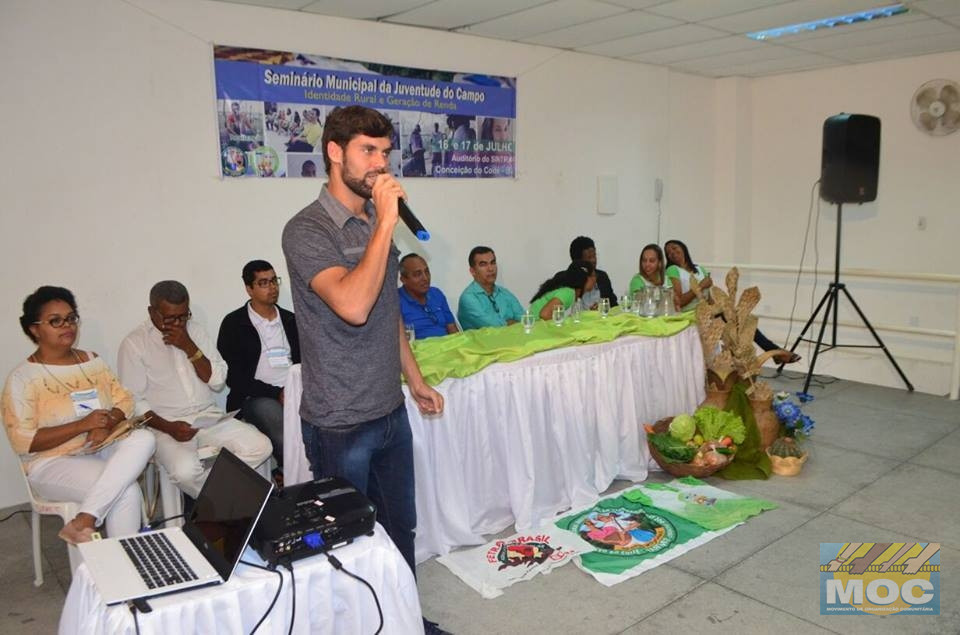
point(60, 403)
point(563, 289)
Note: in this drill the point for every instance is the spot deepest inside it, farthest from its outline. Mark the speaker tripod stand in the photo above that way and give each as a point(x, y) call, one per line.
point(830, 300)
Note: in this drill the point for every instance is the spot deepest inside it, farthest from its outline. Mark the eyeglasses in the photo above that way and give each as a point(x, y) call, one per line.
point(263, 283)
point(58, 322)
point(170, 320)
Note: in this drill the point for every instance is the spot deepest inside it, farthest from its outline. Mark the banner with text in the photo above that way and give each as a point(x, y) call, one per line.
point(271, 108)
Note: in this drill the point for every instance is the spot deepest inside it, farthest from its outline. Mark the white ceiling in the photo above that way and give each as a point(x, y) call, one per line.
point(705, 37)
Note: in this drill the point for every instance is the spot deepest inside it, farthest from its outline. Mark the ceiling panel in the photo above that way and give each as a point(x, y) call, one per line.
point(739, 58)
point(726, 44)
point(785, 65)
point(453, 14)
point(697, 10)
point(698, 36)
point(368, 9)
point(900, 48)
point(635, 4)
point(683, 34)
point(792, 12)
point(293, 5)
point(842, 40)
point(603, 30)
point(940, 8)
point(544, 18)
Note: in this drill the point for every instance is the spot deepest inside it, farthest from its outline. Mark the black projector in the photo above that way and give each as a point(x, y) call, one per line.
point(304, 519)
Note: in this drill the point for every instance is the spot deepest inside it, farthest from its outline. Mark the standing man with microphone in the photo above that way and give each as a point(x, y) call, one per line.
point(343, 269)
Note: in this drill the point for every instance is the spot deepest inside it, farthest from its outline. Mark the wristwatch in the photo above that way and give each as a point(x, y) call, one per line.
point(195, 357)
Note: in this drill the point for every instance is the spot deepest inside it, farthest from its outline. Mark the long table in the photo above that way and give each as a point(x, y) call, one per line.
point(520, 441)
point(328, 601)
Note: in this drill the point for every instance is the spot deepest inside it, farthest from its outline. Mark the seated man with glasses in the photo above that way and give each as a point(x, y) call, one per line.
point(484, 302)
point(422, 306)
point(172, 367)
point(259, 343)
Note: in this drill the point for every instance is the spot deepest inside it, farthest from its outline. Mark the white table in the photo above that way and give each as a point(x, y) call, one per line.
point(328, 601)
point(520, 441)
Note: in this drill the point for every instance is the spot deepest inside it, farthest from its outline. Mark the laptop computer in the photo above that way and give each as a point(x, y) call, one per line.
point(204, 551)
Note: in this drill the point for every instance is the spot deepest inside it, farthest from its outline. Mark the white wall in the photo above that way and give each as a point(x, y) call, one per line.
point(918, 176)
point(110, 169)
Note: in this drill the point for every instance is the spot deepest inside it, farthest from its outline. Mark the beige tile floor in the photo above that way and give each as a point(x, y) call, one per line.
point(883, 468)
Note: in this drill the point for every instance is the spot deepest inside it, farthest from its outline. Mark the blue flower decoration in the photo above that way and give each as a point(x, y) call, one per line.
point(804, 397)
point(806, 424)
point(787, 412)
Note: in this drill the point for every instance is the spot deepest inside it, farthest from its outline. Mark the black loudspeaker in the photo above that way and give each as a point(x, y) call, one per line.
point(851, 158)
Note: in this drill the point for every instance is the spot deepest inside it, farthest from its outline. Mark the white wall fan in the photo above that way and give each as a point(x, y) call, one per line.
point(935, 107)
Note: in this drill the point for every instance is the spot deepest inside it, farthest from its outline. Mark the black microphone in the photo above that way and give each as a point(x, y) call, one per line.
point(411, 221)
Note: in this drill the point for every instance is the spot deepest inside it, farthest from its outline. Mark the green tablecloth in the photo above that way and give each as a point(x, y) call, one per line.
point(463, 354)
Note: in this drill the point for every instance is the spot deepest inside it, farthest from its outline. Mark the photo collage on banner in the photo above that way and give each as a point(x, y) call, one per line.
point(271, 106)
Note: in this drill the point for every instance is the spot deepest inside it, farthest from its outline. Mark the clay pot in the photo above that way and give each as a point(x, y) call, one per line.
point(718, 391)
point(716, 398)
point(767, 422)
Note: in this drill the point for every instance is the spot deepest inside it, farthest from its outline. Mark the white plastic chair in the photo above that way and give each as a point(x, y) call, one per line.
point(65, 510)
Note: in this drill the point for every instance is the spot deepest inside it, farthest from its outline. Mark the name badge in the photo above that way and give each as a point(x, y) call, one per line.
point(85, 401)
point(278, 357)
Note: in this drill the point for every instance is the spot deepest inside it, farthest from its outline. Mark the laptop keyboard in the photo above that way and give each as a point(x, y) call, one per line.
point(157, 561)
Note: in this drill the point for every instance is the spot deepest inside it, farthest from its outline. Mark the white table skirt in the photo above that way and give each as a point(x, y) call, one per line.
point(328, 601)
point(519, 442)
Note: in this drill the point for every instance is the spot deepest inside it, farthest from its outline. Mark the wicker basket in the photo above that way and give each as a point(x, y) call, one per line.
point(678, 469)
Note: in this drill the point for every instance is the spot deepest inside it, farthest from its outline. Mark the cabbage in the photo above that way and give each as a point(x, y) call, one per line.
point(683, 427)
point(672, 450)
point(715, 424)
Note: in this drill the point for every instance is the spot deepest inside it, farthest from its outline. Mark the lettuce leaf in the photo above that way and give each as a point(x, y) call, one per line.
point(714, 424)
point(673, 450)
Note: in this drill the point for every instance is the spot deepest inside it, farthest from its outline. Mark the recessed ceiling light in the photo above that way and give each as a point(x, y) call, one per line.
point(827, 23)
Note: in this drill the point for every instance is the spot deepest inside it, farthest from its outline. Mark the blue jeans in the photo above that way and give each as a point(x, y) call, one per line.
point(377, 457)
point(266, 415)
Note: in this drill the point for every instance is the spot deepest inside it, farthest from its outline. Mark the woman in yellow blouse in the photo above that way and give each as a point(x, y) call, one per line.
point(57, 405)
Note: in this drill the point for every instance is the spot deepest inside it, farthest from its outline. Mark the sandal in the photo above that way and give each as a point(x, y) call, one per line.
point(786, 357)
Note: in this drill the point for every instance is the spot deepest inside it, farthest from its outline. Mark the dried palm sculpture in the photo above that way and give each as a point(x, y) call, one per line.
point(727, 327)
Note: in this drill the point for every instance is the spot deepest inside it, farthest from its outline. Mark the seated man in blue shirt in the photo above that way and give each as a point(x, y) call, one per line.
point(422, 306)
point(484, 302)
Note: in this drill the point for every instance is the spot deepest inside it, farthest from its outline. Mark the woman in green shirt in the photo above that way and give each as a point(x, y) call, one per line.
point(683, 273)
point(651, 269)
point(563, 289)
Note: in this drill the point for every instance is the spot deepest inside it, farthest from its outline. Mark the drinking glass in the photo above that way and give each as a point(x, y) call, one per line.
point(575, 311)
point(640, 300)
point(604, 307)
point(626, 303)
point(558, 315)
point(527, 321)
point(666, 301)
point(411, 332)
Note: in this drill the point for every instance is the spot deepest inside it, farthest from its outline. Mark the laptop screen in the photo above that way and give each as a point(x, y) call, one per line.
point(226, 512)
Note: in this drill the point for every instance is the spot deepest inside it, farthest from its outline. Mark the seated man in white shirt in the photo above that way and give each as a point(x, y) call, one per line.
point(172, 367)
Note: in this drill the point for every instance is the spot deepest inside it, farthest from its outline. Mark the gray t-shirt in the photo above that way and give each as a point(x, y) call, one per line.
point(351, 374)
